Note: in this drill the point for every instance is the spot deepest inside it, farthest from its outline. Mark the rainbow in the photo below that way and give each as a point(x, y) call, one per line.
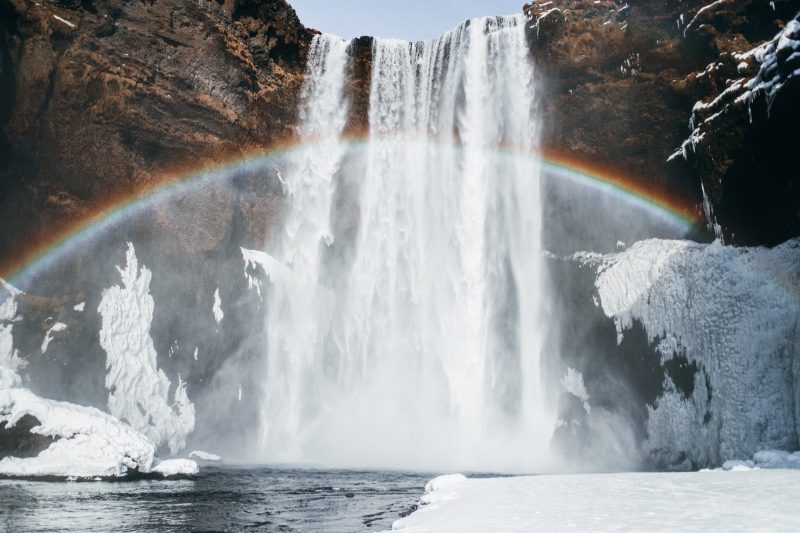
point(677, 212)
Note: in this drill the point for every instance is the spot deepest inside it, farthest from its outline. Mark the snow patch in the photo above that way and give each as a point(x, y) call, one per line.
point(48, 337)
point(217, 308)
point(80, 307)
point(572, 382)
point(139, 390)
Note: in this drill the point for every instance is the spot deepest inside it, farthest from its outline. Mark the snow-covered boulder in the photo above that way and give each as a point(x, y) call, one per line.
point(87, 443)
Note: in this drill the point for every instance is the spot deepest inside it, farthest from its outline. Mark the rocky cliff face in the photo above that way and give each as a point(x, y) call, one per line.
point(622, 78)
point(100, 99)
point(104, 98)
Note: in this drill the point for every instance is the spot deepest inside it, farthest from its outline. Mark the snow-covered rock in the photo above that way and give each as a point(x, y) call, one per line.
point(176, 467)
point(732, 311)
point(89, 443)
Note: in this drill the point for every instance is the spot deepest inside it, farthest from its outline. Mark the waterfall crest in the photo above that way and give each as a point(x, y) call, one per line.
point(412, 336)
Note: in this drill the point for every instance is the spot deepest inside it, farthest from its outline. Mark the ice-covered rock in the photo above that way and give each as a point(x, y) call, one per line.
point(733, 312)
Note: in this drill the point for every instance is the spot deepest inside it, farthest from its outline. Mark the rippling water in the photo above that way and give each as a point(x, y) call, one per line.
point(219, 499)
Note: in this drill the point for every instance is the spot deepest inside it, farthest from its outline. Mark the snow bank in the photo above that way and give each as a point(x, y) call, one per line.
point(732, 311)
point(139, 391)
point(698, 501)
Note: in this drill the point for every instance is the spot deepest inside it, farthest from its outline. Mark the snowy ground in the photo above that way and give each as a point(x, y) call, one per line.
point(764, 500)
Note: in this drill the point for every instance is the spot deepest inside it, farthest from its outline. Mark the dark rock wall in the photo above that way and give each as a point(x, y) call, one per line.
point(621, 80)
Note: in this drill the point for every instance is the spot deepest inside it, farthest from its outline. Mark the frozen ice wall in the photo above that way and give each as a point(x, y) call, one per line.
point(735, 313)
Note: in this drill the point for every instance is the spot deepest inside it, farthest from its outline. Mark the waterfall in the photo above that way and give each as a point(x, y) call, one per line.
point(413, 339)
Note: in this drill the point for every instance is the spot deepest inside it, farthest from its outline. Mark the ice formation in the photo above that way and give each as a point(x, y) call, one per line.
point(217, 308)
point(572, 382)
point(732, 311)
point(9, 359)
point(48, 337)
point(758, 500)
point(138, 390)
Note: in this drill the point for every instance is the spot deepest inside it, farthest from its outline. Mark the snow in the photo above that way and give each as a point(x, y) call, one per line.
point(572, 382)
point(176, 467)
point(80, 307)
point(698, 501)
point(732, 311)
point(48, 337)
point(217, 308)
point(65, 21)
point(204, 456)
point(138, 389)
point(771, 459)
point(9, 359)
point(90, 443)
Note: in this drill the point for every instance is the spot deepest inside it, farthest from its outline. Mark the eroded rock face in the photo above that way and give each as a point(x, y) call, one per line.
point(621, 79)
point(101, 99)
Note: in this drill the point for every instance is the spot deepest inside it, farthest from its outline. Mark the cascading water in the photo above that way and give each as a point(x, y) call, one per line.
point(415, 340)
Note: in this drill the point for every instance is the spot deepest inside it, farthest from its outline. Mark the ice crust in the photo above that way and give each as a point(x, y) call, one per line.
point(732, 311)
point(759, 500)
point(138, 389)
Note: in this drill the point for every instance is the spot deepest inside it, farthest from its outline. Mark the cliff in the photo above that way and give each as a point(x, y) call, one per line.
point(623, 78)
point(100, 99)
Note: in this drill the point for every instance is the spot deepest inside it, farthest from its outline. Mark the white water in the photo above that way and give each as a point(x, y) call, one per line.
point(414, 340)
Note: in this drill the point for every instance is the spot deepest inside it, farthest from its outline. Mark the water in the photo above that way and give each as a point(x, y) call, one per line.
point(219, 499)
point(404, 324)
